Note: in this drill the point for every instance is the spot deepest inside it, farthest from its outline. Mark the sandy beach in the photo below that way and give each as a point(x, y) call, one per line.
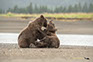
point(65, 53)
point(12, 53)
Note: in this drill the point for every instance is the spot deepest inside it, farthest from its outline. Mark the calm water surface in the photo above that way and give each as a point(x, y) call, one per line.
point(65, 39)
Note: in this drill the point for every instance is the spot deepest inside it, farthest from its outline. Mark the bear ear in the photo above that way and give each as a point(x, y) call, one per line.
point(42, 16)
point(50, 21)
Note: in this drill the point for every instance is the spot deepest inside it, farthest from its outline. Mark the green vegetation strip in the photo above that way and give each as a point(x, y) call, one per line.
point(56, 15)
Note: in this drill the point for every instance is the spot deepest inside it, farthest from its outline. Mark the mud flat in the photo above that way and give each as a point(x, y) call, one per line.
point(15, 24)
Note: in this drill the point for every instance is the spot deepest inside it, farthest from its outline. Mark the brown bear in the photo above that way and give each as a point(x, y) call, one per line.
point(50, 40)
point(29, 34)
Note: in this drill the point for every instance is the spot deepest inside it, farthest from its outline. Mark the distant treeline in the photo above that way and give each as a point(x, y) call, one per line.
point(45, 9)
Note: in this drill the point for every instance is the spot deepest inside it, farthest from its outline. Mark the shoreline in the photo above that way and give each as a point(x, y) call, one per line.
point(15, 45)
point(65, 39)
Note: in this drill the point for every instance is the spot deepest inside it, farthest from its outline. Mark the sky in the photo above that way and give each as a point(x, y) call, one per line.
point(5, 4)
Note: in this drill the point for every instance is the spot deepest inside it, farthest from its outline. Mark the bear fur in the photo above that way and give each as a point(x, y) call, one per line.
point(50, 40)
point(29, 34)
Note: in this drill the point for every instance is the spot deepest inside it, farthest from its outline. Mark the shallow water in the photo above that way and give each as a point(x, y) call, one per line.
point(65, 39)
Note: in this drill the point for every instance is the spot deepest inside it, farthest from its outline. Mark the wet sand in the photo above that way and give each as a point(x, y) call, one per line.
point(15, 24)
point(12, 53)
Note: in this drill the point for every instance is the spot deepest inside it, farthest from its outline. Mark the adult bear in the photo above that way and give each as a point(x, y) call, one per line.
point(29, 34)
point(50, 40)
